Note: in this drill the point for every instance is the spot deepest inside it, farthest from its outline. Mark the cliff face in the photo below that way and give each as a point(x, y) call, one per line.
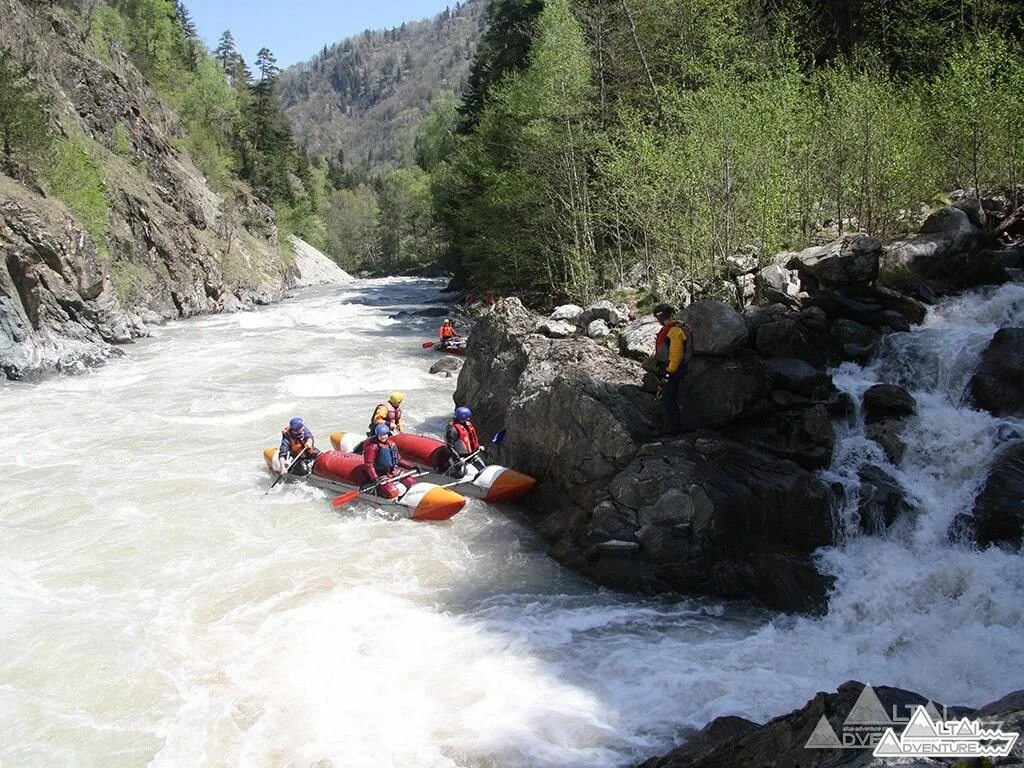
point(159, 244)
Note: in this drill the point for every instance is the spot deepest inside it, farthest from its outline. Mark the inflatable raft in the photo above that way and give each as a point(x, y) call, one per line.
point(455, 346)
point(341, 471)
point(493, 484)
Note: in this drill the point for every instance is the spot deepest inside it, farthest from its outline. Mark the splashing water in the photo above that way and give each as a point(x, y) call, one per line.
point(156, 608)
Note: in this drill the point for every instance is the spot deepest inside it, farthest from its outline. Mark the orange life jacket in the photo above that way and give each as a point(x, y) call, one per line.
point(447, 332)
point(393, 419)
point(467, 434)
point(295, 445)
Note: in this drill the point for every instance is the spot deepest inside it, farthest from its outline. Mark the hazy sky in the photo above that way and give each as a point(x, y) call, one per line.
point(295, 31)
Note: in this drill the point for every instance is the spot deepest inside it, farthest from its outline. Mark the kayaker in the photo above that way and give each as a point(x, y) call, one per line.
point(447, 331)
point(388, 413)
point(673, 349)
point(296, 440)
point(462, 443)
point(382, 459)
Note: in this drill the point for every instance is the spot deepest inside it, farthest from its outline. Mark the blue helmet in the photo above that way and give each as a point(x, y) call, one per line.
point(462, 413)
point(295, 424)
point(381, 429)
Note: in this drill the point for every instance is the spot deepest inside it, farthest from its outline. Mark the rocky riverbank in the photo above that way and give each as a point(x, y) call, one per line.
point(158, 242)
point(735, 507)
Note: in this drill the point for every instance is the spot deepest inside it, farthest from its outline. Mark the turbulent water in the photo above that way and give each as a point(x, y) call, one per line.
point(157, 608)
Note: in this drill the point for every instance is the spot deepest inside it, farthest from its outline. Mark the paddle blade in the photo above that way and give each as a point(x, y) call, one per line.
point(428, 344)
point(344, 498)
point(498, 437)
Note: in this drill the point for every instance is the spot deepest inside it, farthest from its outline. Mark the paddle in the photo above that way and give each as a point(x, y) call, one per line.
point(428, 345)
point(287, 469)
point(352, 495)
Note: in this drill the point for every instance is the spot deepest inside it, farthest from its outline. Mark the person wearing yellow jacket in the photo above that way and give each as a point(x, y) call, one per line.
point(672, 352)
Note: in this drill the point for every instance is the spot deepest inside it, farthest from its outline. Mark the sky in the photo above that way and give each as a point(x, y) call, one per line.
point(296, 31)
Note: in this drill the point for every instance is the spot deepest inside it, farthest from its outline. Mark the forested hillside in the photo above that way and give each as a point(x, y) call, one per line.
point(367, 95)
point(598, 135)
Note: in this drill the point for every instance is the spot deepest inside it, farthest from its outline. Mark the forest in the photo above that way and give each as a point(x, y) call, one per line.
point(597, 135)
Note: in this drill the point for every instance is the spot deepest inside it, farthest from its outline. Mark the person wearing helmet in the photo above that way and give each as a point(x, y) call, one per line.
point(447, 334)
point(673, 349)
point(464, 447)
point(382, 459)
point(388, 413)
point(297, 450)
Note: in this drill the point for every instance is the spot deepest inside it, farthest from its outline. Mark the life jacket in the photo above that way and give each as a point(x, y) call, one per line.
point(296, 444)
point(394, 416)
point(386, 458)
point(446, 332)
point(661, 344)
point(467, 434)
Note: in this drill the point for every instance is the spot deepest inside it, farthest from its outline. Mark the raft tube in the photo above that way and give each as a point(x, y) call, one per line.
point(494, 484)
point(340, 471)
point(457, 347)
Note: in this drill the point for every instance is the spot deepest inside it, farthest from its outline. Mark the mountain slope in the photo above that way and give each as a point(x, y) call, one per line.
point(368, 94)
point(115, 227)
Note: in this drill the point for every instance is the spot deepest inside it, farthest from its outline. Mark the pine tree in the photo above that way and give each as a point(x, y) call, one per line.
point(225, 51)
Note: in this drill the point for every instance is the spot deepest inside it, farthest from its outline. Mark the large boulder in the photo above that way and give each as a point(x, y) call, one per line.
point(603, 310)
point(797, 376)
point(744, 261)
point(949, 249)
point(556, 329)
point(883, 402)
point(718, 390)
point(850, 260)
point(567, 312)
point(598, 329)
point(998, 384)
point(775, 284)
point(718, 329)
point(881, 499)
point(713, 516)
point(636, 338)
point(999, 508)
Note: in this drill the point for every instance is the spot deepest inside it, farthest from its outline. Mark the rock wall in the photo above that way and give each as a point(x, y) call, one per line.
point(172, 246)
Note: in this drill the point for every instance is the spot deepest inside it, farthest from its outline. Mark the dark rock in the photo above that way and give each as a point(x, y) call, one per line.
point(717, 390)
point(888, 434)
point(853, 341)
point(776, 284)
point(787, 338)
point(717, 517)
point(783, 741)
point(447, 364)
point(998, 384)
point(718, 329)
point(887, 401)
point(850, 260)
point(949, 249)
point(798, 376)
point(882, 500)
point(999, 508)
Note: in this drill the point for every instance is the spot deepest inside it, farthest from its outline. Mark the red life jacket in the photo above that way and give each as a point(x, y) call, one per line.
point(447, 332)
point(467, 434)
point(394, 415)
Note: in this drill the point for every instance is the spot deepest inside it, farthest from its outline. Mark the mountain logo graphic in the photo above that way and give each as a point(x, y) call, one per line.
point(964, 738)
point(868, 710)
point(823, 737)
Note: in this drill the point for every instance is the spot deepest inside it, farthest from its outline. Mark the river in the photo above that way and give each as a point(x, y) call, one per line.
point(159, 608)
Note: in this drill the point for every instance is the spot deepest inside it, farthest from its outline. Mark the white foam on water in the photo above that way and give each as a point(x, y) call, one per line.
point(158, 607)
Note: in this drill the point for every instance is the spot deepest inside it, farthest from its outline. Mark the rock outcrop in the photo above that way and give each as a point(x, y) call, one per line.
point(998, 383)
point(734, 513)
point(165, 246)
point(733, 742)
point(999, 508)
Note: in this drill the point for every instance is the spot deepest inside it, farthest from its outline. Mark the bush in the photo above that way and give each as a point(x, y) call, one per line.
point(74, 177)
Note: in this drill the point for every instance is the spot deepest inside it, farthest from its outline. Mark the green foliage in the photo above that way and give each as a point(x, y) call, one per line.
point(122, 141)
point(24, 132)
point(675, 131)
point(75, 177)
point(107, 27)
point(351, 220)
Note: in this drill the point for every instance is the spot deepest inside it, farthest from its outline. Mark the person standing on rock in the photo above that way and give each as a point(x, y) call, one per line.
point(672, 352)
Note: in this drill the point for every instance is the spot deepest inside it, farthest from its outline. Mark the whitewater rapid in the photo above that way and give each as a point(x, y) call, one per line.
point(158, 608)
